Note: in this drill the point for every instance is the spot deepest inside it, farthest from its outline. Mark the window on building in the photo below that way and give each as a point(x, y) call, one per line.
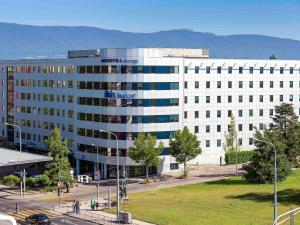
point(271, 98)
point(271, 112)
point(261, 84)
point(196, 99)
point(281, 84)
point(251, 70)
point(240, 84)
point(291, 98)
point(240, 127)
point(218, 99)
point(207, 129)
point(250, 98)
point(185, 99)
point(291, 84)
point(251, 84)
point(196, 129)
point(218, 113)
point(207, 114)
point(250, 112)
point(271, 84)
point(207, 143)
point(219, 69)
point(196, 69)
point(261, 70)
point(271, 70)
point(219, 143)
point(185, 114)
point(207, 99)
point(229, 113)
point(219, 84)
point(250, 127)
point(240, 98)
point(196, 84)
point(196, 114)
point(208, 69)
point(185, 84)
point(218, 128)
point(230, 70)
point(281, 70)
point(261, 98)
point(240, 70)
point(229, 84)
point(261, 112)
point(281, 98)
point(207, 84)
point(240, 113)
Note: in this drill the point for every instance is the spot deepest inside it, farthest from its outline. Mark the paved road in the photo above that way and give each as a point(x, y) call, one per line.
point(64, 220)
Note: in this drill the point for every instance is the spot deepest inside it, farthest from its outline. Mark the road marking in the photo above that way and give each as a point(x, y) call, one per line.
point(23, 214)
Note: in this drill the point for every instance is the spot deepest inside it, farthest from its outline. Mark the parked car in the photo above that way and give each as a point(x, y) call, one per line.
point(38, 219)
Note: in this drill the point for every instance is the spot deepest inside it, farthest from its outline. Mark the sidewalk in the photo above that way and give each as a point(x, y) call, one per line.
point(94, 216)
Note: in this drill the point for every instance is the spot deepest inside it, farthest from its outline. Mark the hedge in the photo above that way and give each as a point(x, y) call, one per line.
point(243, 156)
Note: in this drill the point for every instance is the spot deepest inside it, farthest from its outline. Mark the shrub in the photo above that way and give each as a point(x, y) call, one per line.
point(30, 182)
point(43, 181)
point(11, 180)
point(243, 156)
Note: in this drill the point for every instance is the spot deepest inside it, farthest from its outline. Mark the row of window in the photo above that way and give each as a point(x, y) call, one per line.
point(44, 125)
point(63, 69)
point(45, 111)
point(127, 69)
point(241, 84)
point(45, 83)
point(230, 113)
point(127, 119)
point(101, 150)
point(122, 135)
point(219, 142)
point(39, 138)
point(241, 98)
point(128, 102)
point(128, 85)
point(242, 69)
point(45, 97)
point(239, 127)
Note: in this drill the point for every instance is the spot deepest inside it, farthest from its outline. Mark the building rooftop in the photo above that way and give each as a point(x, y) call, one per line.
point(12, 157)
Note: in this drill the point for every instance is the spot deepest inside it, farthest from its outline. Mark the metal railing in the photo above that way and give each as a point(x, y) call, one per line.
point(94, 217)
point(288, 216)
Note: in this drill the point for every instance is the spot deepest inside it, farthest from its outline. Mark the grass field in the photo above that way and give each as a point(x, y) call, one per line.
point(226, 202)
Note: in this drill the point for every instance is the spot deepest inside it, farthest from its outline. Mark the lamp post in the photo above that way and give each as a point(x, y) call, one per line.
point(22, 173)
point(118, 175)
point(97, 173)
point(275, 177)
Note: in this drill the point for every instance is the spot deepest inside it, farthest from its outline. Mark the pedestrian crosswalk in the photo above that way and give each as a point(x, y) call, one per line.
point(25, 213)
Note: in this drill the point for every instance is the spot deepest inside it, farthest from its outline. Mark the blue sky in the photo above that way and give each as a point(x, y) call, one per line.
point(268, 17)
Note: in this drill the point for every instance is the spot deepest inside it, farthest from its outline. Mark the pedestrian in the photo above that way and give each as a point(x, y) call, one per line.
point(97, 205)
point(78, 207)
point(74, 206)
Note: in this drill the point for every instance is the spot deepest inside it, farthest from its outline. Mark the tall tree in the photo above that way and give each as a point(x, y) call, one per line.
point(261, 168)
point(145, 152)
point(58, 169)
point(273, 57)
point(184, 147)
point(284, 116)
point(287, 127)
point(230, 137)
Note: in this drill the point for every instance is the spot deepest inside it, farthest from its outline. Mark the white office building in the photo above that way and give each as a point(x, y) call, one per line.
point(151, 90)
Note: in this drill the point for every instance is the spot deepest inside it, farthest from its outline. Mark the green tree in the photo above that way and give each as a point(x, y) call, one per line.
point(58, 169)
point(261, 168)
point(230, 137)
point(184, 147)
point(145, 152)
point(287, 127)
point(273, 57)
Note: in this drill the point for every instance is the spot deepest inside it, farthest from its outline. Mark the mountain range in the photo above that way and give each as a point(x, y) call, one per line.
point(27, 41)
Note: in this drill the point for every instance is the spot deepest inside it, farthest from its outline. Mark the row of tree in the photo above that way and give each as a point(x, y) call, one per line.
point(183, 147)
point(284, 137)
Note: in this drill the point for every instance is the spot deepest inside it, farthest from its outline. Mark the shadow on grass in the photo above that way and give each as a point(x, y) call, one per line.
point(285, 197)
point(232, 181)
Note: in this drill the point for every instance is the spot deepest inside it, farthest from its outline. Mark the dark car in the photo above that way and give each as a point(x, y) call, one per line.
point(38, 219)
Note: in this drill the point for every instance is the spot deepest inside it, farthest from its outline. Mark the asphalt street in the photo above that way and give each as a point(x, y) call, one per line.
point(65, 220)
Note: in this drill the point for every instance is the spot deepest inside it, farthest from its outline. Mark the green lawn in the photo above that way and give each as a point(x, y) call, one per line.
point(226, 202)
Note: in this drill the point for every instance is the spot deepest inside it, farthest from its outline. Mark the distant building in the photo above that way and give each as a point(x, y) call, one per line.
point(151, 90)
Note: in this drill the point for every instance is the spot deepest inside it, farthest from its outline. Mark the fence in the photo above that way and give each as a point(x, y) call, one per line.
point(288, 216)
point(94, 217)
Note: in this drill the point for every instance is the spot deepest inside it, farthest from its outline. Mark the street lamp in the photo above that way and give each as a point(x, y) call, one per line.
point(118, 176)
point(22, 173)
point(275, 177)
point(97, 171)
